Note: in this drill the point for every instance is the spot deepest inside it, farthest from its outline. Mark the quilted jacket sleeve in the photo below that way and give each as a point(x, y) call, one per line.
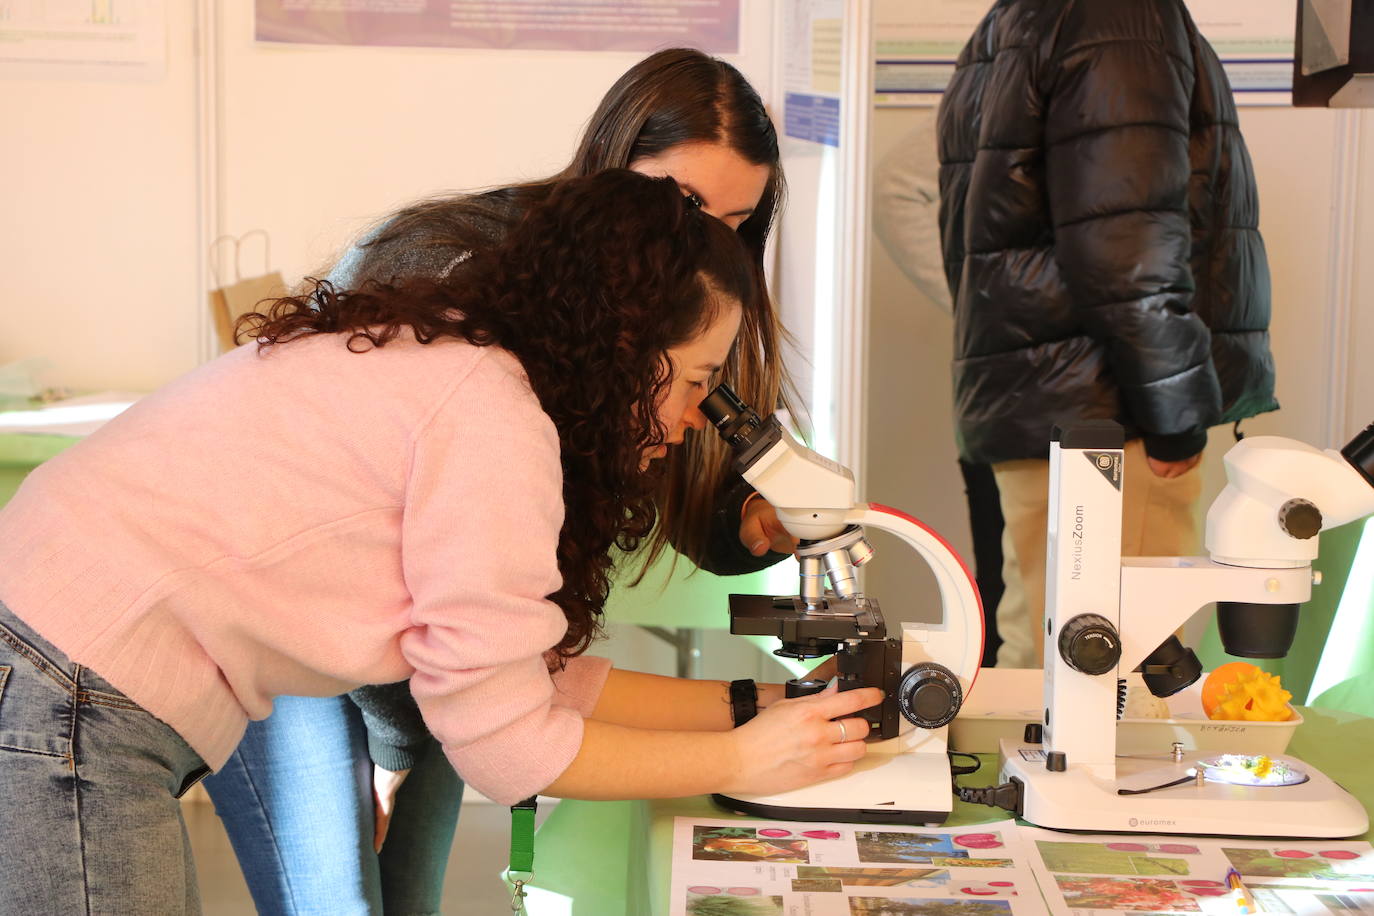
point(1118, 84)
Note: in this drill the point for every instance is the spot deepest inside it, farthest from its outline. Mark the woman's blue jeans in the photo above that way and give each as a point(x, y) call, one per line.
point(296, 801)
point(89, 783)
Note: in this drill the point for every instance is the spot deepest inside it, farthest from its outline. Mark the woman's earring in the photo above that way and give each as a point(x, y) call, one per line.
point(693, 201)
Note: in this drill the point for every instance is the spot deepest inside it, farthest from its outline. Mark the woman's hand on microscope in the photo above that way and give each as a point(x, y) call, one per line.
point(760, 530)
point(796, 742)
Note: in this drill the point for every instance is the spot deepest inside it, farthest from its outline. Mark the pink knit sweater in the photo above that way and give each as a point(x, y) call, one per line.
point(307, 521)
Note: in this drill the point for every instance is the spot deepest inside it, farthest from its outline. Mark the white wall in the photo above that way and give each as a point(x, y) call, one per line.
point(317, 141)
point(106, 209)
point(98, 222)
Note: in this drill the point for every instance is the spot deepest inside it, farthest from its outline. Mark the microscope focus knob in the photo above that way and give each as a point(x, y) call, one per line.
point(1089, 643)
point(1300, 519)
point(929, 695)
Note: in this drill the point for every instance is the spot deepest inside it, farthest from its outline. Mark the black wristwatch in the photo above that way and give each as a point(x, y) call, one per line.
point(744, 700)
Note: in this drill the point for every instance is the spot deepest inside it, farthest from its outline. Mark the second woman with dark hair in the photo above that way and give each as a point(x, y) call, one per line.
point(418, 481)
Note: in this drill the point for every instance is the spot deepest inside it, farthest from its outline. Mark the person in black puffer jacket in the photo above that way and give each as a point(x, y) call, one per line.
point(1099, 222)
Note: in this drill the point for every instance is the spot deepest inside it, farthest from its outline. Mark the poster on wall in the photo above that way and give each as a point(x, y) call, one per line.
point(631, 25)
point(916, 44)
point(811, 70)
point(96, 39)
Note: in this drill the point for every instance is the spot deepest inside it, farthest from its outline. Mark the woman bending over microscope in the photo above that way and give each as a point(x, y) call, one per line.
point(313, 790)
point(419, 480)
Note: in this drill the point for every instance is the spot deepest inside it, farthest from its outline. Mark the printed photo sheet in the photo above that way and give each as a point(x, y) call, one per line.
point(763, 868)
point(1112, 874)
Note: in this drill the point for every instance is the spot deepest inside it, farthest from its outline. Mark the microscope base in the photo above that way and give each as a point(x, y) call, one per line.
point(1076, 799)
point(904, 788)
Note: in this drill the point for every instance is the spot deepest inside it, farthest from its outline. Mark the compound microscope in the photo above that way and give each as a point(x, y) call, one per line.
point(1105, 615)
point(905, 776)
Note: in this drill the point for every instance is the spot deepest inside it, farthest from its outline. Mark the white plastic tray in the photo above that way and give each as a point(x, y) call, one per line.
point(999, 706)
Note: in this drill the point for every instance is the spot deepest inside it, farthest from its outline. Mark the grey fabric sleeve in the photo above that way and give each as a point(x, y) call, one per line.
point(396, 732)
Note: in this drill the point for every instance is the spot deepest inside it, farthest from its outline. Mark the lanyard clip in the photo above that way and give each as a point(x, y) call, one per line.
point(517, 898)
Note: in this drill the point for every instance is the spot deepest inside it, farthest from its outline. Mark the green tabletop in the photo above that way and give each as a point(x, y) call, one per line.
point(608, 858)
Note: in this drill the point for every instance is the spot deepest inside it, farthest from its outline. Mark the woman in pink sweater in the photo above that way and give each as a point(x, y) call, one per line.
point(421, 481)
point(679, 113)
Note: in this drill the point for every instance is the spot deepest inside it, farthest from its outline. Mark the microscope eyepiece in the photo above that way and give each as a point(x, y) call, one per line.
point(728, 414)
point(1359, 451)
point(747, 434)
point(721, 404)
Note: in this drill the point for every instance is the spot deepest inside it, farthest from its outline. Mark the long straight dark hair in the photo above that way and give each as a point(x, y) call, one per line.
point(670, 98)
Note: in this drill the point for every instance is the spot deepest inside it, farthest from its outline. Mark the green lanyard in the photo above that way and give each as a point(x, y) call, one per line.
point(521, 850)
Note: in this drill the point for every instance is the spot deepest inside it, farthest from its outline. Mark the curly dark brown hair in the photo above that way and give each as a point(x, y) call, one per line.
point(588, 291)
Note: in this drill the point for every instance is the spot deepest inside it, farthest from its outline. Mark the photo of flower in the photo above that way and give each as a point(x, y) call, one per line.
point(1141, 895)
point(744, 844)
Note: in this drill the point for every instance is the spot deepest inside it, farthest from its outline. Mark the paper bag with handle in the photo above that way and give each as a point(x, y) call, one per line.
point(230, 301)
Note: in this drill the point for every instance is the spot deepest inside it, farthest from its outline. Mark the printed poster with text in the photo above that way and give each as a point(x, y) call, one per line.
point(631, 25)
point(762, 868)
point(1110, 875)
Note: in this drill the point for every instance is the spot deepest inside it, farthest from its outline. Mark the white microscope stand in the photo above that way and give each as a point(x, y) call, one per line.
point(906, 779)
point(1145, 599)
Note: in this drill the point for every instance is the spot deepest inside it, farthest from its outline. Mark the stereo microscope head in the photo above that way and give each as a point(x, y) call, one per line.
point(1280, 494)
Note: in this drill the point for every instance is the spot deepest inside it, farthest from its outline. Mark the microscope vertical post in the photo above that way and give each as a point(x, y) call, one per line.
point(1082, 600)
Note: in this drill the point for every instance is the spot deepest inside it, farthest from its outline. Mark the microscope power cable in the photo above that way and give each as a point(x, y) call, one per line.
point(1191, 777)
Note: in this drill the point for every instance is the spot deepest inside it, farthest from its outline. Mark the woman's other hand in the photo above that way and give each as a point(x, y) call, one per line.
point(385, 785)
point(761, 531)
point(1171, 469)
point(796, 742)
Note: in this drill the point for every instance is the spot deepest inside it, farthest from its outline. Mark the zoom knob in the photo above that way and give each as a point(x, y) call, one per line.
point(1300, 519)
point(929, 695)
point(1089, 643)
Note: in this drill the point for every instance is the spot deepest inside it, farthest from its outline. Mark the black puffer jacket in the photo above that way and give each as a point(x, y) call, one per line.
point(1100, 230)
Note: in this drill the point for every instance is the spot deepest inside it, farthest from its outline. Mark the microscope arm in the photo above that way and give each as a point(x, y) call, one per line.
point(1159, 594)
point(1261, 534)
point(957, 641)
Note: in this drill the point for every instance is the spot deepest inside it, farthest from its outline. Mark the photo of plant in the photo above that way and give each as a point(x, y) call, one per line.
point(1104, 859)
point(730, 905)
point(1141, 895)
point(889, 906)
point(874, 877)
point(875, 846)
point(743, 844)
point(817, 885)
point(968, 862)
point(1297, 863)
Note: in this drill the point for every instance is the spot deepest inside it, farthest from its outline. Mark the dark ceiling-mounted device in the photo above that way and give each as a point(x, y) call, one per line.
point(1333, 64)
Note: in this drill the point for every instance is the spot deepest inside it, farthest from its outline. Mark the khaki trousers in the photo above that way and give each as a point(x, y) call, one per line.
point(1159, 518)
